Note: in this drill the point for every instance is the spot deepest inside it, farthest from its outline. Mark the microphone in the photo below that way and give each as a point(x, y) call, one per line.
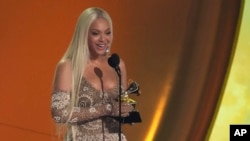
point(114, 62)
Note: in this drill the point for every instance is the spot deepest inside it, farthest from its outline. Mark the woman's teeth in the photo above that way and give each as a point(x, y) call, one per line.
point(101, 46)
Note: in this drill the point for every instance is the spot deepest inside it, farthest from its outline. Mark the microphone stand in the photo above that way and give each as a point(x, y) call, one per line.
point(120, 101)
point(114, 63)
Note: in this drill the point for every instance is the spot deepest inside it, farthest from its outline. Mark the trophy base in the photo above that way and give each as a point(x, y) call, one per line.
point(134, 117)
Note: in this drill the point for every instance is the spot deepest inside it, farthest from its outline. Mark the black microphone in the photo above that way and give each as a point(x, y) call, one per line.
point(114, 62)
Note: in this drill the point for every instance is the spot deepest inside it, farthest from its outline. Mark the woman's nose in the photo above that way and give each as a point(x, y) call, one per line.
point(102, 38)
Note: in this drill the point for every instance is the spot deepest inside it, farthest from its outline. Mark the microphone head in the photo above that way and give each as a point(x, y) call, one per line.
point(114, 60)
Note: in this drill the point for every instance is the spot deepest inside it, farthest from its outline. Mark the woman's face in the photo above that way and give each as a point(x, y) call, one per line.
point(99, 37)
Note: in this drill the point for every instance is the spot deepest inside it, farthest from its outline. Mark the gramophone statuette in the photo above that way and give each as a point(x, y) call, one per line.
point(134, 116)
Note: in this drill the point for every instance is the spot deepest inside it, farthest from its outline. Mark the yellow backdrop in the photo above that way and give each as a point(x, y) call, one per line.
point(235, 107)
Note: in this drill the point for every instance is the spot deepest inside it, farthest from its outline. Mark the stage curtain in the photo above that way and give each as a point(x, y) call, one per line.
point(202, 70)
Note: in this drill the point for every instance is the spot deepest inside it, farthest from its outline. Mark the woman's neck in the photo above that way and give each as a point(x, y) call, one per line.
point(98, 59)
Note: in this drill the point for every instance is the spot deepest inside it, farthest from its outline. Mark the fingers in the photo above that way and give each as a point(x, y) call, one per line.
point(125, 109)
point(124, 114)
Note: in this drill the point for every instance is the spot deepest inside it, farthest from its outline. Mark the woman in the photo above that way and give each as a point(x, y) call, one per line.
point(85, 87)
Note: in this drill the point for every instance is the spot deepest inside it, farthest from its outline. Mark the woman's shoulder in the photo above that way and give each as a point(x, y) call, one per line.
point(64, 62)
point(64, 65)
point(122, 63)
point(62, 80)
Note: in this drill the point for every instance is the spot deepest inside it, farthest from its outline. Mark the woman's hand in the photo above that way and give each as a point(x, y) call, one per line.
point(125, 109)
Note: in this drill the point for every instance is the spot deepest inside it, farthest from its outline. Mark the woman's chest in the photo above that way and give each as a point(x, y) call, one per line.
point(90, 96)
point(101, 78)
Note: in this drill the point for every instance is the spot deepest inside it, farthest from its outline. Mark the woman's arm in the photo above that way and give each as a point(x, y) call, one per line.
point(61, 98)
point(61, 112)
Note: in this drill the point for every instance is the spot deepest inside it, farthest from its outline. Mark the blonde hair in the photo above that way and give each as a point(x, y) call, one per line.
point(78, 50)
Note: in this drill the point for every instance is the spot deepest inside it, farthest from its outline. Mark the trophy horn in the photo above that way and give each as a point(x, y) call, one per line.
point(133, 88)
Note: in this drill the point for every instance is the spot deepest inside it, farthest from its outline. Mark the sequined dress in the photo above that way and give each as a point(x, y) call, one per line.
point(87, 122)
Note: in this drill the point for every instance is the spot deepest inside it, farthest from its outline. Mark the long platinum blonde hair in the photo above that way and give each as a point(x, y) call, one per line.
point(78, 50)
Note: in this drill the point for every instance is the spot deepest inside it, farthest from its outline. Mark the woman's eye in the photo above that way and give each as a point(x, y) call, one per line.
point(95, 33)
point(108, 33)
